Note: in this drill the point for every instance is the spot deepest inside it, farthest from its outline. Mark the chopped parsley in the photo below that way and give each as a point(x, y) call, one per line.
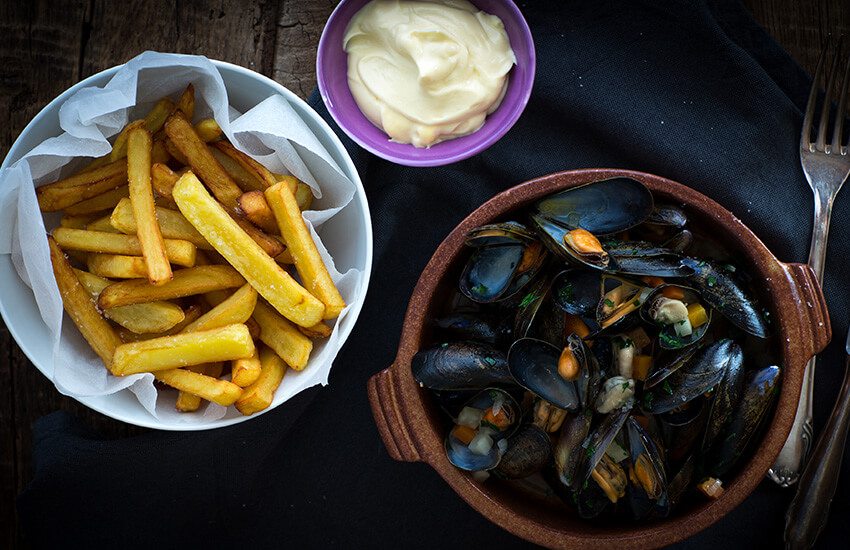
point(490, 361)
point(528, 299)
point(667, 389)
point(480, 289)
point(626, 385)
point(711, 280)
point(609, 303)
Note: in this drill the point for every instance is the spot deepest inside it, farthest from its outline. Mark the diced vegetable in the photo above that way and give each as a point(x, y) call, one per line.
point(470, 416)
point(574, 325)
point(617, 453)
point(673, 292)
point(697, 315)
point(640, 366)
point(464, 434)
point(481, 444)
point(497, 418)
point(711, 487)
point(683, 328)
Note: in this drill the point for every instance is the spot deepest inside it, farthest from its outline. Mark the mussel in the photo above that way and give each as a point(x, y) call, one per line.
point(461, 366)
point(479, 437)
point(720, 289)
point(529, 451)
point(676, 310)
point(478, 326)
point(534, 365)
point(577, 291)
point(699, 375)
point(647, 476)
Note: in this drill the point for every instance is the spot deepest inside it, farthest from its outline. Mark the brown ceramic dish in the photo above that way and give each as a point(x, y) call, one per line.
point(412, 428)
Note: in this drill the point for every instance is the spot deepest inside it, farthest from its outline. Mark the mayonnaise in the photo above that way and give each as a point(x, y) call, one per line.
point(427, 71)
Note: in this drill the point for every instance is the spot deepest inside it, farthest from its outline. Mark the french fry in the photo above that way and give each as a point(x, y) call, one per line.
point(117, 266)
point(186, 282)
point(163, 180)
point(319, 330)
point(139, 143)
point(174, 152)
point(81, 308)
point(235, 309)
point(140, 318)
point(101, 202)
point(183, 136)
point(282, 336)
point(187, 402)
point(119, 149)
point(303, 196)
point(253, 204)
point(291, 181)
point(191, 313)
point(243, 178)
point(260, 172)
point(186, 103)
point(172, 224)
point(79, 187)
point(101, 224)
point(76, 222)
point(159, 154)
point(208, 130)
point(270, 244)
point(303, 249)
point(178, 252)
point(193, 348)
point(253, 328)
point(258, 268)
point(218, 391)
point(244, 372)
point(259, 395)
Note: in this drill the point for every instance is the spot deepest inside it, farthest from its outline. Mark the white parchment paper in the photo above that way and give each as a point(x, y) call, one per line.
point(89, 118)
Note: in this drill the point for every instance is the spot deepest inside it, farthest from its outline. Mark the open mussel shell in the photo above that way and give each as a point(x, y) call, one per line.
point(534, 365)
point(529, 451)
point(568, 452)
point(555, 238)
point(620, 303)
point(667, 336)
point(498, 272)
point(680, 242)
point(461, 455)
point(602, 207)
point(461, 366)
point(759, 393)
point(700, 374)
point(499, 234)
point(479, 326)
point(648, 480)
point(577, 291)
point(720, 289)
point(597, 442)
point(538, 316)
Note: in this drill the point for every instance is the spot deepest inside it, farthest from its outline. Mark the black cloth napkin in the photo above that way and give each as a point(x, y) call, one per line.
point(694, 91)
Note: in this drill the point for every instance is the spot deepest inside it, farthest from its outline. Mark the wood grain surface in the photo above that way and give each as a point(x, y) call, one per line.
point(45, 47)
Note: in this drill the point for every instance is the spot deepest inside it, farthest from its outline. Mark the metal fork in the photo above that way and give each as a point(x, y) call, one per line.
point(826, 165)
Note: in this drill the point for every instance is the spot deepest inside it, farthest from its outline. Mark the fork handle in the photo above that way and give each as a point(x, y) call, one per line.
point(809, 510)
point(792, 458)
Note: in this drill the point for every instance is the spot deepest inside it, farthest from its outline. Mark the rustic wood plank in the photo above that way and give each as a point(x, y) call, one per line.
point(299, 27)
point(238, 32)
point(39, 58)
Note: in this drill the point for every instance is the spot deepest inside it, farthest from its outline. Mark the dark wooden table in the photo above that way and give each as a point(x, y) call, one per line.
point(45, 47)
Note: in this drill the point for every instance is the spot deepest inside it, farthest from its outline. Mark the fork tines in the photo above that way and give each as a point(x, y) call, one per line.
point(839, 70)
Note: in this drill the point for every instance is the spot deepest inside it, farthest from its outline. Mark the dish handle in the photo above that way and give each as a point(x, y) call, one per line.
point(384, 399)
point(815, 330)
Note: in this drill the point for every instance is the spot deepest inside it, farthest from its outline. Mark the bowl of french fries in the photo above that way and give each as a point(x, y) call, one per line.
point(203, 282)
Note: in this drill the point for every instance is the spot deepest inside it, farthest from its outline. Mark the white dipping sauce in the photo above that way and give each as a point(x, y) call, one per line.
point(427, 71)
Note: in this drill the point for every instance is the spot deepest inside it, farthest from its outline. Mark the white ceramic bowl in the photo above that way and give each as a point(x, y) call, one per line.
point(347, 236)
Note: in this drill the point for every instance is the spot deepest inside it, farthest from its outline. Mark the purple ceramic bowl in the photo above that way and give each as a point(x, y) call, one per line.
point(332, 75)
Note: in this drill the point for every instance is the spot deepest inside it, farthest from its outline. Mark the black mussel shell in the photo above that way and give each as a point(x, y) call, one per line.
point(619, 306)
point(529, 450)
point(648, 488)
point(453, 401)
point(669, 364)
point(669, 265)
point(680, 242)
point(577, 291)
point(667, 215)
point(537, 315)
point(568, 452)
point(490, 272)
point(681, 429)
point(720, 289)
point(699, 375)
point(681, 481)
point(751, 412)
point(602, 207)
point(724, 400)
point(461, 366)
point(598, 441)
point(534, 365)
point(553, 237)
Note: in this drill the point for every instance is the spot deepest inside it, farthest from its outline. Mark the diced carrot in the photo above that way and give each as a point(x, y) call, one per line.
point(652, 281)
point(673, 292)
point(711, 487)
point(464, 434)
point(640, 366)
point(574, 325)
point(697, 315)
point(500, 419)
point(642, 420)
